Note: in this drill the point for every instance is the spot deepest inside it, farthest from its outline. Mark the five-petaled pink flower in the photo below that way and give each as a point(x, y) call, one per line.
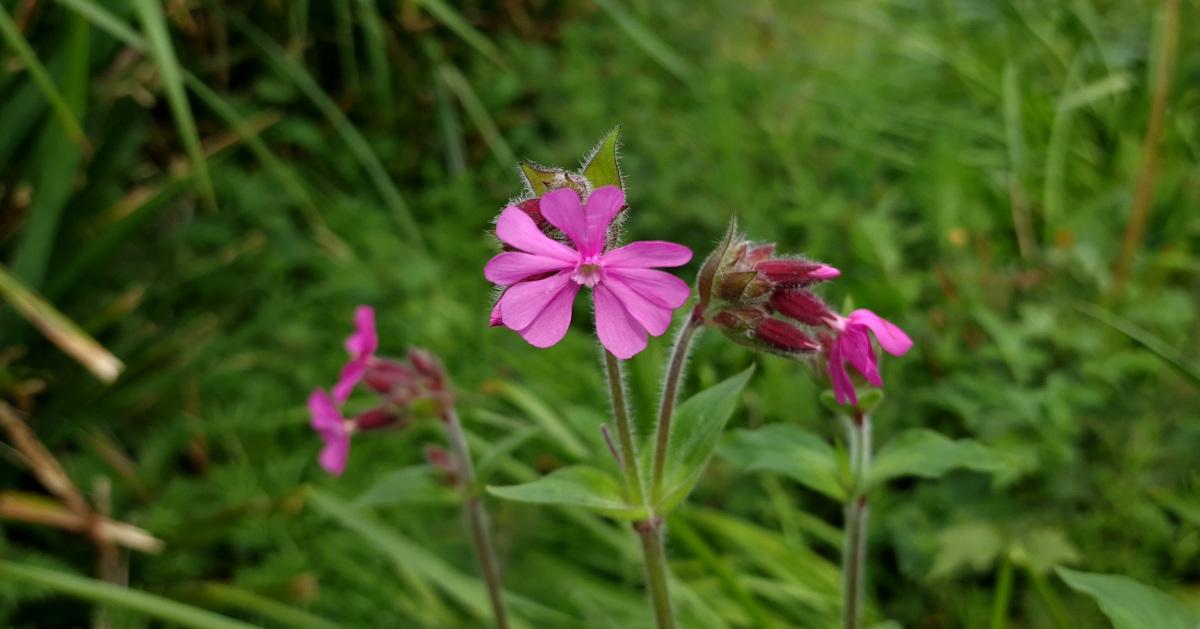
point(361, 346)
point(853, 346)
point(632, 299)
point(327, 420)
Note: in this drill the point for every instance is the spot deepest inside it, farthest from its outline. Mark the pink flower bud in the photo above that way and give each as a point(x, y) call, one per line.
point(796, 272)
point(803, 306)
point(428, 365)
point(377, 419)
point(785, 337)
point(760, 253)
point(384, 375)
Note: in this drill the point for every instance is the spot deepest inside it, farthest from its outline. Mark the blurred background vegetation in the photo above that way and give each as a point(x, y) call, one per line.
point(208, 187)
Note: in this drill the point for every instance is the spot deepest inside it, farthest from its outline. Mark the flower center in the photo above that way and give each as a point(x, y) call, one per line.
point(588, 272)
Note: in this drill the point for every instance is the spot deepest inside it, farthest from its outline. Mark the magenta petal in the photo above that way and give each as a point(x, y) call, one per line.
point(561, 207)
point(603, 204)
point(856, 348)
point(515, 228)
point(843, 387)
point(619, 332)
point(334, 455)
point(351, 374)
point(522, 303)
point(891, 338)
point(512, 267)
point(648, 253)
point(364, 341)
point(324, 415)
point(655, 318)
point(495, 319)
point(552, 323)
point(658, 287)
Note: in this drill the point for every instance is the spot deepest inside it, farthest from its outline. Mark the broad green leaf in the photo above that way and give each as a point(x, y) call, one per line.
point(109, 594)
point(1129, 604)
point(601, 167)
point(417, 484)
point(579, 486)
point(790, 451)
point(696, 429)
point(925, 453)
point(1044, 548)
point(971, 546)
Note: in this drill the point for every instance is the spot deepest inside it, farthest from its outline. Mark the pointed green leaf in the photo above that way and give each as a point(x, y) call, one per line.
point(601, 167)
point(539, 179)
point(579, 486)
point(697, 429)
point(790, 451)
point(927, 454)
point(1129, 604)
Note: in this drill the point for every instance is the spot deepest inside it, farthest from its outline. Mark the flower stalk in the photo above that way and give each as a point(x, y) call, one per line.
point(666, 407)
point(854, 552)
point(476, 517)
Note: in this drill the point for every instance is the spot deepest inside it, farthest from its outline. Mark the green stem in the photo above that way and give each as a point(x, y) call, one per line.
point(651, 534)
point(1049, 598)
point(854, 553)
point(616, 390)
point(476, 516)
point(1004, 584)
point(666, 407)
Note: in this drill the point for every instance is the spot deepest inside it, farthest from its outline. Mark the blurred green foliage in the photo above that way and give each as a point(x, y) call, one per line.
point(969, 166)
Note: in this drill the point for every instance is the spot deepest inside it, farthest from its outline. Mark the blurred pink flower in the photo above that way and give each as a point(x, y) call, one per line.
point(361, 346)
point(542, 277)
point(327, 420)
point(853, 346)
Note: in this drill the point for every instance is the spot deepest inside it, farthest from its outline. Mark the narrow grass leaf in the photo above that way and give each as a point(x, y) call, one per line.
point(478, 113)
point(647, 40)
point(450, 18)
point(1144, 338)
point(226, 596)
point(65, 112)
point(158, 38)
point(105, 593)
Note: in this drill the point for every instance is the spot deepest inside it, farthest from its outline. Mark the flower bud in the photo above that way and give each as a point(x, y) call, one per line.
point(440, 460)
point(384, 375)
point(796, 272)
point(428, 365)
point(784, 337)
point(803, 306)
point(378, 419)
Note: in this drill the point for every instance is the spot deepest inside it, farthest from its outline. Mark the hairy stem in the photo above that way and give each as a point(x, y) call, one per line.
point(854, 553)
point(651, 535)
point(476, 516)
point(616, 390)
point(666, 407)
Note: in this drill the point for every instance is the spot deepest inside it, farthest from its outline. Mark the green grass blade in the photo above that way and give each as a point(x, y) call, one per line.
point(108, 594)
point(478, 114)
point(57, 160)
point(345, 41)
point(223, 595)
point(1144, 338)
point(59, 329)
point(64, 112)
point(154, 24)
point(453, 20)
point(647, 40)
point(377, 59)
point(353, 138)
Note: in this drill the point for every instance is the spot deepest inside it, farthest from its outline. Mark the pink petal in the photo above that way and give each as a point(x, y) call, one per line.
point(325, 416)
point(364, 341)
point(552, 323)
point(512, 267)
point(619, 332)
point(522, 303)
point(843, 387)
point(659, 287)
point(335, 454)
point(351, 374)
point(561, 207)
point(856, 347)
point(515, 228)
point(655, 318)
point(891, 338)
point(648, 253)
point(495, 319)
point(603, 204)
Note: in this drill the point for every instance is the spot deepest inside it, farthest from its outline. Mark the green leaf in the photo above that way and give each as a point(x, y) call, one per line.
point(453, 20)
point(967, 547)
point(417, 484)
point(925, 453)
point(1129, 604)
point(109, 594)
point(790, 451)
point(579, 486)
point(62, 107)
point(697, 429)
point(601, 167)
point(539, 178)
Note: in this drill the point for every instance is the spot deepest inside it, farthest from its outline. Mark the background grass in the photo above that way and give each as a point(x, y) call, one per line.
point(357, 151)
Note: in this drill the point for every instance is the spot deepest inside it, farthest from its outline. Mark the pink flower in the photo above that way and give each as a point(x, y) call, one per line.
point(327, 420)
point(853, 346)
point(361, 346)
point(543, 275)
